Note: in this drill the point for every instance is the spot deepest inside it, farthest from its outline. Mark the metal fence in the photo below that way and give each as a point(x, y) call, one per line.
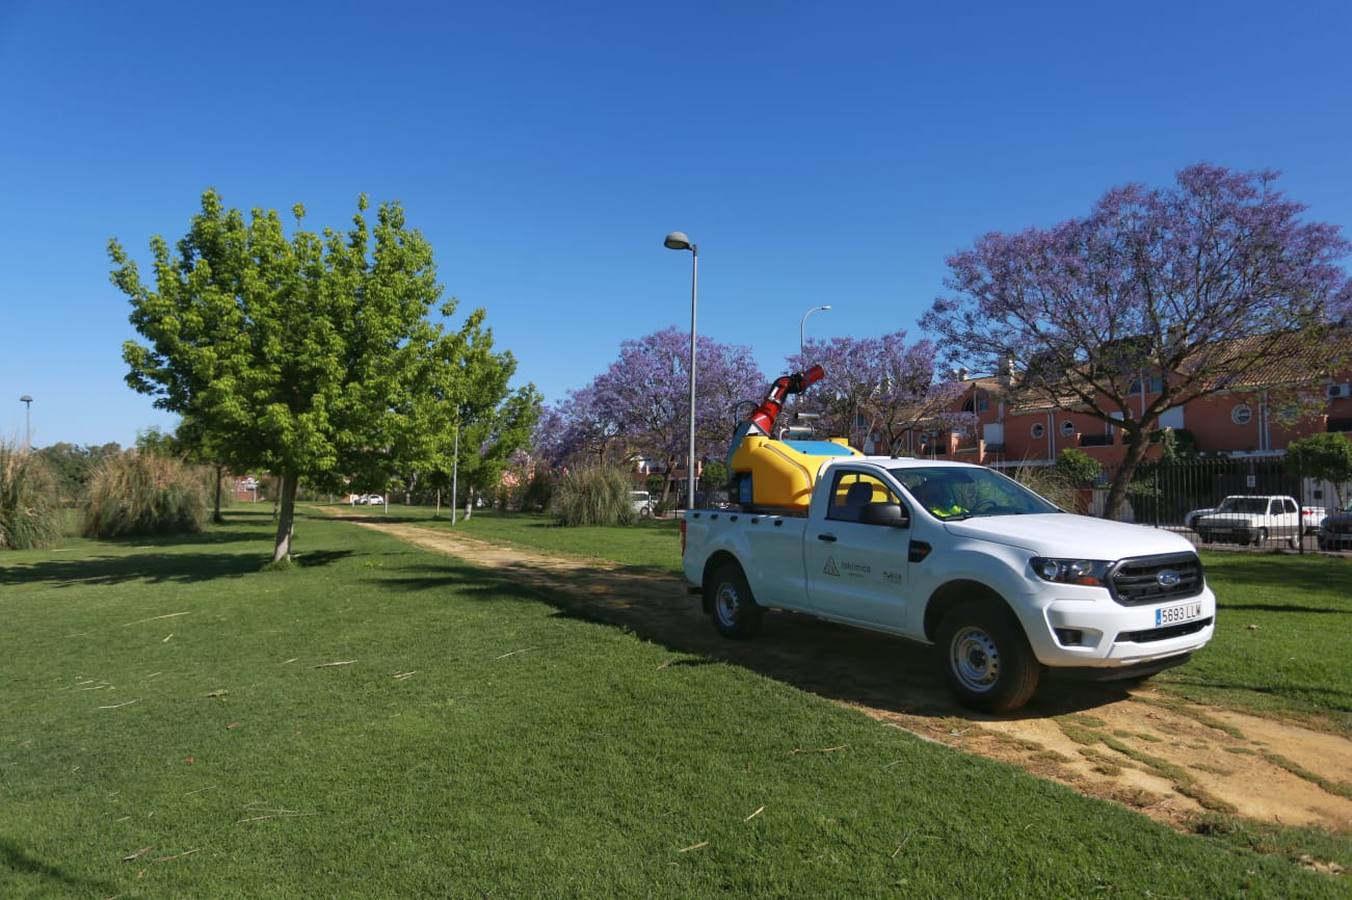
point(1258, 502)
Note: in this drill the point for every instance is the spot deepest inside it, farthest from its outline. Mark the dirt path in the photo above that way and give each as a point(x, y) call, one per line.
point(1169, 758)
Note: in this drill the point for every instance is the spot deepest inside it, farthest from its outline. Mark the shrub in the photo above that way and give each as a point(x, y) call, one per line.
point(1077, 468)
point(1050, 483)
point(141, 494)
point(539, 492)
point(598, 495)
point(30, 502)
point(1327, 456)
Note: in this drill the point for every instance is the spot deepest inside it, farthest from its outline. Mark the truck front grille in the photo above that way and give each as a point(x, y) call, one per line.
point(1161, 634)
point(1133, 582)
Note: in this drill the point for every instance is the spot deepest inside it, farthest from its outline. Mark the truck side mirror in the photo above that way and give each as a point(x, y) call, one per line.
point(890, 514)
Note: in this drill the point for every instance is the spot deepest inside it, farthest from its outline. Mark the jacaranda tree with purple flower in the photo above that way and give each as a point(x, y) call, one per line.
point(645, 391)
point(639, 405)
point(879, 387)
point(1201, 284)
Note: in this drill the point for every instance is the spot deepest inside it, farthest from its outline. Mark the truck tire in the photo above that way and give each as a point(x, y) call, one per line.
point(735, 611)
point(985, 658)
point(1260, 538)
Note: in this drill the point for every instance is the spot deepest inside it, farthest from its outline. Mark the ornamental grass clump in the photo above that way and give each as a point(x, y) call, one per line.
point(598, 495)
point(1050, 483)
point(142, 494)
point(30, 503)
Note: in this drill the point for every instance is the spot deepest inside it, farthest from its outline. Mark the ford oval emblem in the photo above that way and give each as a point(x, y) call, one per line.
point(1167, 578)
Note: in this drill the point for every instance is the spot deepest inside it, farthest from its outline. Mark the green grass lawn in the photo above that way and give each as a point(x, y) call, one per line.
point(1282, 635)
point(1287, 663)
point(168, 727)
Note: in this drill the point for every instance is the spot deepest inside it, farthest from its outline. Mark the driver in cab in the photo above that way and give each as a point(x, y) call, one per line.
point(936, 494)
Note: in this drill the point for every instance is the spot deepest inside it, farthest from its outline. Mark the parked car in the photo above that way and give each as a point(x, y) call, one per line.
point(642, 502)
point(1335, 531)
point(1190, 520)
point(371, 500)
point(1003, 582)
point(1256, 519)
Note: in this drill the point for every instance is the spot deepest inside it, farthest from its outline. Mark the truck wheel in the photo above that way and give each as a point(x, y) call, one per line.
point(736, 613)
point(1205, 536)
point(1260, 537)
point(985, 658)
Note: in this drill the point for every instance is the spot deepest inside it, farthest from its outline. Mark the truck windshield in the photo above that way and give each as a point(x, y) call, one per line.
point(1255, 506)
point(949, 492)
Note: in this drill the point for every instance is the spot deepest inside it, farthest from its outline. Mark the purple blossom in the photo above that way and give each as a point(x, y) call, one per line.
point(878, 387)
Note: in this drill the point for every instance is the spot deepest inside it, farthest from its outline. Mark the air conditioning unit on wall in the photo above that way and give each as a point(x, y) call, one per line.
point(1340, 391)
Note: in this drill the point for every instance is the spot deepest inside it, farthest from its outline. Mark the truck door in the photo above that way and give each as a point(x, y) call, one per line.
point(856, 572)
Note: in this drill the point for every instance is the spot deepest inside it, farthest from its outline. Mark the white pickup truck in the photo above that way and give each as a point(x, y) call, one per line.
point(1256, 519)
point(957, 555)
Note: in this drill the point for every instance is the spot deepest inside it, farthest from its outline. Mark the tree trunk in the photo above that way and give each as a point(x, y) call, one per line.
point(1138, 442)
point(216, 515)
point(666, 485)
point(438, 513)
point(469, 503)
point(286, 516)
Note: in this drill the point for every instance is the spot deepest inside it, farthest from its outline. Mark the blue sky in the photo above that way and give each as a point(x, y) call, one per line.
point(819, 153)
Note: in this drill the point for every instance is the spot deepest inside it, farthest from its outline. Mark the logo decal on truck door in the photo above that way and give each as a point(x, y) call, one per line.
point(830, 568)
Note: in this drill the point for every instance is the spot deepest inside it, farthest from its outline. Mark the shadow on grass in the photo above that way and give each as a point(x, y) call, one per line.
point(835, 661)
point(155, 568)
point(1281, 608)
point(221, 535)
point(13, 857)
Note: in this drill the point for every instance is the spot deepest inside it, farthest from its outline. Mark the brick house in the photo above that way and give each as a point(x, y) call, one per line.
point(1245, 418)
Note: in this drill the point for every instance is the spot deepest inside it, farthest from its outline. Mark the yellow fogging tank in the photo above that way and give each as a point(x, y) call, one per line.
point(779, 475)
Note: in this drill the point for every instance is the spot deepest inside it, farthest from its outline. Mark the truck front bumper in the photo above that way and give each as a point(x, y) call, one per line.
point(1104, 634)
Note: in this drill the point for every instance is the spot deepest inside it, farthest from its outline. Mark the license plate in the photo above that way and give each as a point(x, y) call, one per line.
point(1173, 615)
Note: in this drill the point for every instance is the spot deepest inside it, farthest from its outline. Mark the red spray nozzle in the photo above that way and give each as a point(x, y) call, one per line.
point(763, 418)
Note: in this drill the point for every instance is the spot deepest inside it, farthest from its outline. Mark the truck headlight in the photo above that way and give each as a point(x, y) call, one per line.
point(1091, 572)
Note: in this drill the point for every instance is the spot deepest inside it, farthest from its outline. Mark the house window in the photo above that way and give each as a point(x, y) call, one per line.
point(1155, 384)
point(1241, 414)
point(983, 401)
point(1037, 430)
point(1068, 428)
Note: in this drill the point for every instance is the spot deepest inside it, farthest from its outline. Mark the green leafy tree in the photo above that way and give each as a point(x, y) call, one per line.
point(73, 465)
point(714, 476)
point(1327, 456)
point(496, 424)
point(312, 356)
point(203, 447)
point(155, 441)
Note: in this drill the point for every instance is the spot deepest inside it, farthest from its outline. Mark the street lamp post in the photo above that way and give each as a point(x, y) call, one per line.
point(803, 324)
point(27, 402)
point(678, 241)
point(455, 470)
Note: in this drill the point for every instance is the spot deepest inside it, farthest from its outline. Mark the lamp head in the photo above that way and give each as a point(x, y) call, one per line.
point(677, 240)
point(25, 399)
